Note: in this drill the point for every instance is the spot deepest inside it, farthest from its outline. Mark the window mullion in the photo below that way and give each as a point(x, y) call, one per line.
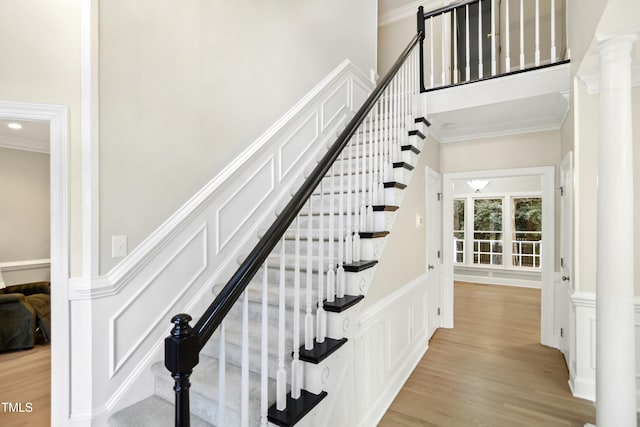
point(469, 231)
point(507, 234)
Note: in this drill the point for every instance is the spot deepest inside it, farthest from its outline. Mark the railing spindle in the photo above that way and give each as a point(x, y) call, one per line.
point(455, 46)
point(321, 315)
point(480, 67)
point(537, 53)
point(281, 376)
point(507, 60)
point(369, 208)
point(296, 366)
point(553, 31)
point(494, 67)
point(468, 46)
point(244, 405)
point(331, 274)
point(222, 373)
point(522, 34)
point(431, 78)
point(340, 274)
point(264, 351)
point(443, 77)
point(308, 318)
point(348, 237)
point(356, 202)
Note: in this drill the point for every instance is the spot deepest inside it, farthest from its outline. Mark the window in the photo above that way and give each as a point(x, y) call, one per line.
point(458, 231)
point(527, 231)
point(487, 231)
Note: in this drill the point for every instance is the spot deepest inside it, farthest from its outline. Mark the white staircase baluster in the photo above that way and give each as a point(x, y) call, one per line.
point(340, 276)
point(494, 65)
point(308, 318)
point(507, 59)
point(356, 202)
point(281, 376)
point(468, 47)
point(566, 30)
point(455, 46)
point(264, 352)
point(379, 145)
point(522, 34)
point(443, 21)
point(432, 78)
point(480, 39)
point(296, 366)
point(321, 315)
point(363, 203)
point(537, 52)
point(331, 273)
point(348, 237)
point(222, 377)
point(244, 404)
point(373, 161)
point(368, 203)
point(553, 31)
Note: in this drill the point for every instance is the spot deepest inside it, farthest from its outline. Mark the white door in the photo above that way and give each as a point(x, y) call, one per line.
point(566, 253)
point(434, 248)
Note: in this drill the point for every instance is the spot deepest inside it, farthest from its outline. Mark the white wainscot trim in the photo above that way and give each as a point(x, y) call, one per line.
point(498, 276)
point(175, 269)
point(391, 339)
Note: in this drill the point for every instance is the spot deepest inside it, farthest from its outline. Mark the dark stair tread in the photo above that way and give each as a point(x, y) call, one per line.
point(373, 234)
point(341, 304)
point(422, 120)
point(402, 165)
point(321, 351)
point(296, 408)
point(358, 266)
point(384, 208)
point(395, 184)
point(417, 133)
point(411, 148)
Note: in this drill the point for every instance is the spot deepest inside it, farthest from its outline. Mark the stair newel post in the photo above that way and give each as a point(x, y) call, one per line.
point(331, 273)
point(308, 318)
point(348, 240)
point(296, 368)
point(340, 275)
point(321, 316)
point(281, 375)
point(264, 350)
point(181, 355)
point(420, 21)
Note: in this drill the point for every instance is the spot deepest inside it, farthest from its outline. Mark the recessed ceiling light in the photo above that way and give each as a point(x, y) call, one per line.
point(14, 126)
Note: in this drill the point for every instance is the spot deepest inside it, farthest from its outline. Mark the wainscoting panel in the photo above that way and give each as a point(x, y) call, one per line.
point(175, 269)
point(387, 328)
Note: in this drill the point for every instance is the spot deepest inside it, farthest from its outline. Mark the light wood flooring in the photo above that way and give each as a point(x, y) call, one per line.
point(25, 377)
point(490, 370)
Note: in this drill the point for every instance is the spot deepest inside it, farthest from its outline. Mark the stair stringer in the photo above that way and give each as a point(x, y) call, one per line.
point(189, 245)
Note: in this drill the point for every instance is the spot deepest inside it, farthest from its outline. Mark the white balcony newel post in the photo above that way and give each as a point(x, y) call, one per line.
point(615, 348)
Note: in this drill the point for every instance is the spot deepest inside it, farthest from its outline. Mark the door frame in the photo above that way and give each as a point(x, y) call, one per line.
point(57, 116)
point(429, 175)
point(566, 253)
point(547, 174)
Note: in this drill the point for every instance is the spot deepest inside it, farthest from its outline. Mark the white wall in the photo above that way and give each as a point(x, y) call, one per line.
point(40, 48)
point(24, 217)
point(186, 87)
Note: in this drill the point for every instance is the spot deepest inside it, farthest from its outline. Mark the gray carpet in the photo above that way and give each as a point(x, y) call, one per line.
point(151, 412)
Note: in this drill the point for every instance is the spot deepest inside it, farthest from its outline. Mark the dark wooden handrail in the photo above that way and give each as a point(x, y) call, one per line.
point(183, 346)
point(448, 8)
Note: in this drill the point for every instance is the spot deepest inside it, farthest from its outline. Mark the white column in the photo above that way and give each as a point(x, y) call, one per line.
point(615, 349)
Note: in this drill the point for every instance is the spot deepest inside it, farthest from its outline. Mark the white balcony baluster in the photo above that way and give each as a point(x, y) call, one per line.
point(522, 34)
point(507, 59)
point(553, 31)
point(480, 39)
point(494, 66)
point(296, 366)
point(467, 46)
point(537, 52)
point(281, 376)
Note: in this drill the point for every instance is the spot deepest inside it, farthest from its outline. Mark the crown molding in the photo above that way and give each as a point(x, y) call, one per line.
point(406, 11)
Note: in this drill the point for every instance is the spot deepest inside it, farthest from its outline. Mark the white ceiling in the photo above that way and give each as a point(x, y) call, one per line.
point(34, 135)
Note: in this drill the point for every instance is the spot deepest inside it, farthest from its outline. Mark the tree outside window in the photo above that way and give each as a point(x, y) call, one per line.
point(458, 230)
point(527, 231)
point(487, 231)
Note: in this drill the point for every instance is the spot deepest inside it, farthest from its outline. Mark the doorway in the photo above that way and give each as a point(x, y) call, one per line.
point(57, 117)
point(547, 250)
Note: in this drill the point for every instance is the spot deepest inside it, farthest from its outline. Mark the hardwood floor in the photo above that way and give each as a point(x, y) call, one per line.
point(490, 370)
point(25, 381)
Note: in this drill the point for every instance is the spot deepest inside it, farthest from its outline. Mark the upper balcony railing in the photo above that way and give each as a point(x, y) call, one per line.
point(472, 40)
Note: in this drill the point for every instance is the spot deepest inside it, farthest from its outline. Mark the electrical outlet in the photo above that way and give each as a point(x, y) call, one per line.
point(118, 246)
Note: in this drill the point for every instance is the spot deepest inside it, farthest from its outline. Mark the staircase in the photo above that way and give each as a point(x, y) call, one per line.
point(267, 363)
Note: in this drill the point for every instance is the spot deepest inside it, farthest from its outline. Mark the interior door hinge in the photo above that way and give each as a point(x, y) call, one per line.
point(561, 262)
point(561, 191)
point(438, 254)
point(439, 196)
point(438, 311)
point(561, 332)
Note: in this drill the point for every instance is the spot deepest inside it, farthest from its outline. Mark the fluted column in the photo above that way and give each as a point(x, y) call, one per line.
point(615, 345)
